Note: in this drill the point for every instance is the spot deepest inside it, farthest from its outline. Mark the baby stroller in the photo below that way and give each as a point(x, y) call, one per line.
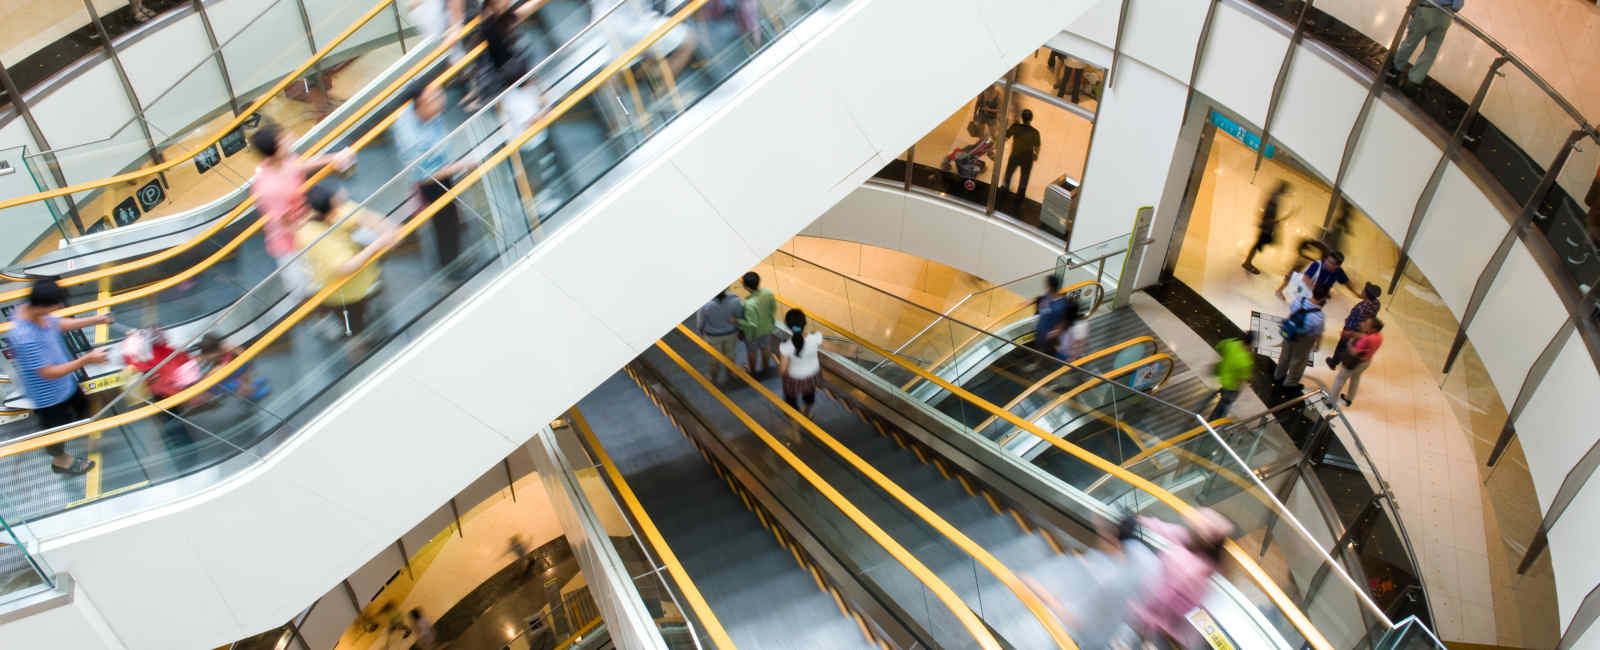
point(968, 162)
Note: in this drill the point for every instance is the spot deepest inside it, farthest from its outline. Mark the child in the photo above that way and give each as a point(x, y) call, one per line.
point(215, 353)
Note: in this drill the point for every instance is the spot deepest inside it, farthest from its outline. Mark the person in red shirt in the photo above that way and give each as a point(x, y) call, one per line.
point(1358, 358)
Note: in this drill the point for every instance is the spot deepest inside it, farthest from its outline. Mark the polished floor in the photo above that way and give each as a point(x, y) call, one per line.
point(1428, 433)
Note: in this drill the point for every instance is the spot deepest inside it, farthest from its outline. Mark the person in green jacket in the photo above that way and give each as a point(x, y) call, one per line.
point(1233, 371)
point(755, 325)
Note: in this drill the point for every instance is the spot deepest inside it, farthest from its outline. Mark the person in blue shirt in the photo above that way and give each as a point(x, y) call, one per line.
point(1427, 23)
point(1302, 331)
point(420, 132)
point(1051, 307)
point(47, 371)
point(1322, 274)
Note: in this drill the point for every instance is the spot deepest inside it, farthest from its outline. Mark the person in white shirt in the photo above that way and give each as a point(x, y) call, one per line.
point(799, 364)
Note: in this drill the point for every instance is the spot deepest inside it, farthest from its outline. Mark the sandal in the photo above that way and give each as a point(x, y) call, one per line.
point(79, 466)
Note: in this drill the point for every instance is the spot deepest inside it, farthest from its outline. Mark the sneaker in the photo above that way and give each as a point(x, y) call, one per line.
point(1346, 399)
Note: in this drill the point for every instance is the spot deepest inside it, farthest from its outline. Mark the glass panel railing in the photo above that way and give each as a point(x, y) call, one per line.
point(1409, 634)
point(309, 347)
point(22, 573)
point(1174, 463)
point(199, 152)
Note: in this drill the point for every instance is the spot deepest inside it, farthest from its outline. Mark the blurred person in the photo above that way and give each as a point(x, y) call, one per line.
point(1051, 308)
point(1357, 359)
point(47, 371)
point(427, 637)
point(337, 255)
point(757, 319)
point(1025, 143)
point(1367, 308)
point(985, 113)
point(503, 62)
point(1427, 23)
point(1234, 369)
point(1096, 606)
point(1183, 576)
point(216, 352)
point(634, 20)
point(1267, 229)
point(1301, 331)
point(276, 188)
point(522, 554)
point(718, 323)
point(799, 363)
point(438, 20)
point(420, 132)
point(1072, 333)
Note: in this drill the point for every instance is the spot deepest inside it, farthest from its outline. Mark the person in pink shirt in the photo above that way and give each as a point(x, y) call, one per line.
point(1184, 576)
point(1355, 362)
point(277, 188)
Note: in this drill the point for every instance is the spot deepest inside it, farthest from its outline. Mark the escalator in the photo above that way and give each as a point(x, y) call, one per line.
point(747, 427)
point(566, 265)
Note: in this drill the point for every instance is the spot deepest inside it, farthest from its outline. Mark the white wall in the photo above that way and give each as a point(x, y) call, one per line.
point(461, 396)
point(1132, 163)
point(945, 232)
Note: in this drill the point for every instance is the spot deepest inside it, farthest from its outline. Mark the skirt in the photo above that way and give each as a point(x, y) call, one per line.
point(792, 386)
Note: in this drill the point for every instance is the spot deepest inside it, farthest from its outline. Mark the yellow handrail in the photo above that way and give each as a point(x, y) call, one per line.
point(1095, 381)
point(647, 526)
point(1064, 369)
point(1292, 612)
point(945, 594)
point(1099, 297)
point(587, 628)
point(1029, 599)
point(256, 105)
point(1158, 448)
point(313, 302)
point(249, 201)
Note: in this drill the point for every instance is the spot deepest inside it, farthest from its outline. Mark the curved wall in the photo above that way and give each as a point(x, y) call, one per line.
point(1136, 160)
point(943, 231)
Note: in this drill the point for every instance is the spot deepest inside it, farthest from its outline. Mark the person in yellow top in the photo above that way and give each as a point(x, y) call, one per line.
point(337, 255)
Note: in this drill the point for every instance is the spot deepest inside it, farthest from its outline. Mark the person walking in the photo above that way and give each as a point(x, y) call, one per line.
point(756, 322)
point(47, 371)
point(1301, 332)
point(1367, 308)
point(419, 131)
point(1357, 360)
point(1321, 274)
point(1267, 229)
point(1025, 143)
point(1051, 308)
point(1428, 23)
point(280, 200)
point(1072, 333)
point(336, 255)
point(799, 363)
point(1184, 575)
point(1237, 365)
point(718, 323)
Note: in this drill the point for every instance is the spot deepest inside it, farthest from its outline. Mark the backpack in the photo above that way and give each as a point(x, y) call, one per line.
point(1294, 326)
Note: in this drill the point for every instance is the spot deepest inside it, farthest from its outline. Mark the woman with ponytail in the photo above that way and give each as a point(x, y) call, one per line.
point(798, 363)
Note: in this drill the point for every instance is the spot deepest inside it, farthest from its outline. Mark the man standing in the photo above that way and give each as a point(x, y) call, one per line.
point(1301, 331)
point(1238, 363)
point(47, 370)
point(718, 323)
point(1024, 150)
point(1429, 22)
point(1051, 308)
point(1322, 274)
point(756, 320)
point(421, 133)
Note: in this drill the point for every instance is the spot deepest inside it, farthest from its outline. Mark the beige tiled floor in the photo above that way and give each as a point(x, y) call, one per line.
point(1428, 434)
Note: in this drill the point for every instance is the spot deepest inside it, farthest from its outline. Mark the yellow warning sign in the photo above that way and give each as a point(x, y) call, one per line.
point(103, 382)
point(1215, 637)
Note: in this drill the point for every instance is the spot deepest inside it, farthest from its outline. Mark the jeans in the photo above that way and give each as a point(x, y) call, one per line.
point(1427, 23)
point(1292, 360)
